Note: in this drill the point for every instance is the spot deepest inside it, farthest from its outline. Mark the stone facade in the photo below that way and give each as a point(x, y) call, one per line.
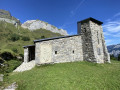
point(59, 50)
point(88, 45)
point(94, 48)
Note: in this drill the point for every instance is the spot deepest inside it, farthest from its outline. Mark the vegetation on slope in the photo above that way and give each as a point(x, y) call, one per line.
point(14, 38)
point(69, 76)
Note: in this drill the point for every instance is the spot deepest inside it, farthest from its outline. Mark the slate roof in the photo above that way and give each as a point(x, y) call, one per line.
point(92, 19)
point(28, 46)
point(46, 39)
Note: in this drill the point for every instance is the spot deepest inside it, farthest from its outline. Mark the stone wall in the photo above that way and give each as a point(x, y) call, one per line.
point(93, 43)
point(26, 55)
point(88, 53)
point(97, 37)
point(100, 50)
point(63, 50)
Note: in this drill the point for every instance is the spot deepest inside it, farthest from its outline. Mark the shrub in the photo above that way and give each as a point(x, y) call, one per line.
point(25, 38)
point(42, 37)
point(1, 61)
point(21, 55)
point(12, 65)
point(14, 37)
point(9, 66)
point(112, 57)
point(15, 50)
point(4, 67)
point(7, 55)
point(119, 57)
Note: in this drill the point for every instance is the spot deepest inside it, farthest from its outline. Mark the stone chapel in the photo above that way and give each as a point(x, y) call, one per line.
point(87, 45)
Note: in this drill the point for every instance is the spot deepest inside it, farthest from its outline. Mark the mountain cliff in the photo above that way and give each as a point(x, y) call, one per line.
point(114, 50)
point(30, 24)
point(37, 24)
point(6, 16)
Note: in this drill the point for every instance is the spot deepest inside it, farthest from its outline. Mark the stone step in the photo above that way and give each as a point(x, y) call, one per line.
point(25, 66)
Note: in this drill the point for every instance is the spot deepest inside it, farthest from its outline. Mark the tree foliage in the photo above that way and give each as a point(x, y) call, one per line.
point(42, 37)
point(24, 38)
point(119, 57)
point(14, 37)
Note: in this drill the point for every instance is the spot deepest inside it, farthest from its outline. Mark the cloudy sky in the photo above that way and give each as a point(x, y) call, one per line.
point(65, 13)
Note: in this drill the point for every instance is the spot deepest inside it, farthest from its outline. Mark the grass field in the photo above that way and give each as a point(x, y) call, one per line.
point(70, 76)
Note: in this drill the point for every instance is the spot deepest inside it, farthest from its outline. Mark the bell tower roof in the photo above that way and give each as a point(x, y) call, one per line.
point(90, 19)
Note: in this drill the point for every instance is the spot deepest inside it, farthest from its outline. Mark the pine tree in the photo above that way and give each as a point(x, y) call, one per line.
point(119, 57)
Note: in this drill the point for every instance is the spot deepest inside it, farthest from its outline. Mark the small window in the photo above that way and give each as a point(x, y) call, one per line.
point(55, 52)
point(73, 51)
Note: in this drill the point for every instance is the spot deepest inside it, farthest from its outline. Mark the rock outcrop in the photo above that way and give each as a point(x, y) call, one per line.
point(6, 16)
point(30, 24)
point(37, 24)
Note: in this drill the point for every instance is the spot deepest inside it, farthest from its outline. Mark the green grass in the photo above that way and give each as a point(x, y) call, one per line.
point(70, 76)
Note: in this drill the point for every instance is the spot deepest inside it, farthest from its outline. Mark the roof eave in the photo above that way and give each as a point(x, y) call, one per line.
point(92, 19)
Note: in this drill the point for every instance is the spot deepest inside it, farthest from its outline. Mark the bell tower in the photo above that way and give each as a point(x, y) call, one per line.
point(93, 43)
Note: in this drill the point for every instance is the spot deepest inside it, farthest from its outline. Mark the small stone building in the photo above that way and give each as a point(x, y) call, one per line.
point(87, 45)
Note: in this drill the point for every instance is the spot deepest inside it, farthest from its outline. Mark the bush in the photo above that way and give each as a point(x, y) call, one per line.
point(9, 66)
point(112, 57)
point(25, 38)
point(21, 55)
point(7, 55)
point(119, 57)
point(4, 67)
point(1, 61)
point(14, 37)
point(15, 50)
point(42, 37)
point(13, 64)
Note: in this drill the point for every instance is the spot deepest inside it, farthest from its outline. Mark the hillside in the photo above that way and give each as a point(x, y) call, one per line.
point(69, 76)
point(14, 38)
point(114, 49)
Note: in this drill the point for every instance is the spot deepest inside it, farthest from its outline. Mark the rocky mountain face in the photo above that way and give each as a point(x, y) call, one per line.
point(6, 16)
point(37, 24)
point(114, 50)
point(30, 24)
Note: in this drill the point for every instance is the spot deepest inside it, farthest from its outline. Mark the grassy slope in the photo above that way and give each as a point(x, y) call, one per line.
point(70, 76)
point(7, 30)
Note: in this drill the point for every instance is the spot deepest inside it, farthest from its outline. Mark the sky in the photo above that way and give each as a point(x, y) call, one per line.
point(66, 13)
